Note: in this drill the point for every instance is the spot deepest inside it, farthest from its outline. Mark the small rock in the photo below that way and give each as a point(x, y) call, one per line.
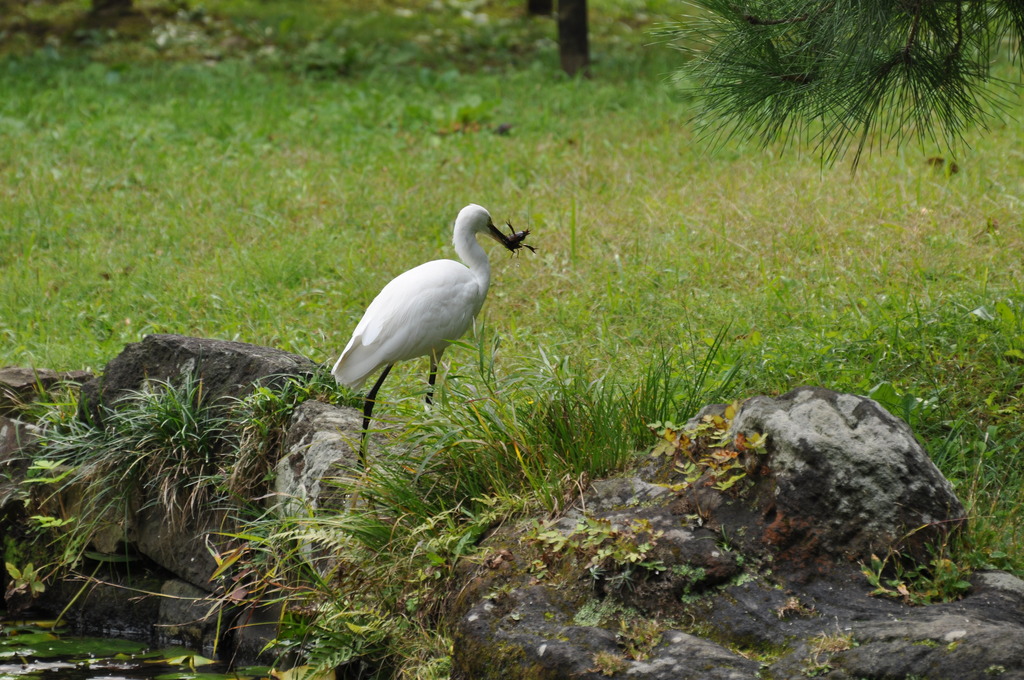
point(20, 386)
point(186, 617)
point(322, 441)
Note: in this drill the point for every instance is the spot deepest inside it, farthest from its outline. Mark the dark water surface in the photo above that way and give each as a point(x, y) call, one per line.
point(30, 651)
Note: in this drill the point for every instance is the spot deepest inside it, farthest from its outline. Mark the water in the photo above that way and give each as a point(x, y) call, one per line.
point(32, 652)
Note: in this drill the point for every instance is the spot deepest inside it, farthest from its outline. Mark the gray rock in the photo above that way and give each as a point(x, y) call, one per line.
point(17, 441)
point(20, 386)
point(187, 616)
point(227, 369)
point(842, 479)
point(181, 546)
point(849, 478)
point(322, 441)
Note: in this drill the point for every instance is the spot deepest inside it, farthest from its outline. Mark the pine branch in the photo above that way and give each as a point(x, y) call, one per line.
point(861, 71)
point(755, 21)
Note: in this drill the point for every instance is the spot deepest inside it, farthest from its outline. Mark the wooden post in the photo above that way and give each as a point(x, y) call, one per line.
point(540, 7)
point(111, 7)
point(572, 36)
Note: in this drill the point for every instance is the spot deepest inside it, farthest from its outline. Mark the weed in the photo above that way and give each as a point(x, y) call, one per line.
point(613, 554)
point(823, 647)
point(26, 580)
point(638, 637)
point(609, 663)
point(939, 580)
point(708, 450)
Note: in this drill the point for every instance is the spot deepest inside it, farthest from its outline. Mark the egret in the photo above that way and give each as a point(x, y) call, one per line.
point(421, 311)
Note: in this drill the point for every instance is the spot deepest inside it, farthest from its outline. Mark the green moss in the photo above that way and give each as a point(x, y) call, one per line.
point(764, 653)
point(689, 572)
point(23, 550)
point(595, 612)
point(499, 661)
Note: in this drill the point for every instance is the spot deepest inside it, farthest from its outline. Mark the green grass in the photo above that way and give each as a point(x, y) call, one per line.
point(263, 188)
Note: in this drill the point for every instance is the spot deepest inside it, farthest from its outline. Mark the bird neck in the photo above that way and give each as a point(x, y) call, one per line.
point(473, 256)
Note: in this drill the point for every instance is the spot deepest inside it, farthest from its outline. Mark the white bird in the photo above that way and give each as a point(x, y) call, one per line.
point(421, 311)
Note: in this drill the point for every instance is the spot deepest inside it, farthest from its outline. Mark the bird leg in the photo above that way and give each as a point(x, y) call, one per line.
point(368, 410)
point(431, 378)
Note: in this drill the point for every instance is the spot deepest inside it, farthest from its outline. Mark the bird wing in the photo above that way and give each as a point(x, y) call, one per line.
point(418, 312)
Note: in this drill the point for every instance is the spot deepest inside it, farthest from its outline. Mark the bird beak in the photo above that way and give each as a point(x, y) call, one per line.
point(498, 236)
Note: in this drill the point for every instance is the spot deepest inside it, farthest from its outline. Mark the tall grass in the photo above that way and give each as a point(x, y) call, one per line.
point(540, 430)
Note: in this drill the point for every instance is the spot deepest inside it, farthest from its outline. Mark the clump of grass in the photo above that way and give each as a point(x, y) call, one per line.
point(938, 580)
point(261, 418)
point(163, 444)
point(544, 428)
point(168, 445)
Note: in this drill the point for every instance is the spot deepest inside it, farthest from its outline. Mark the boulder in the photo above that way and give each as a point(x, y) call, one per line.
point(182, 545)
point(170, 552)
point(227, 369)
point(678, 573)
point(847, 478)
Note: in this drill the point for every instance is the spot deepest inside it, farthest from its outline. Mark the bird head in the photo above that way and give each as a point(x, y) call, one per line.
point(480, 221)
